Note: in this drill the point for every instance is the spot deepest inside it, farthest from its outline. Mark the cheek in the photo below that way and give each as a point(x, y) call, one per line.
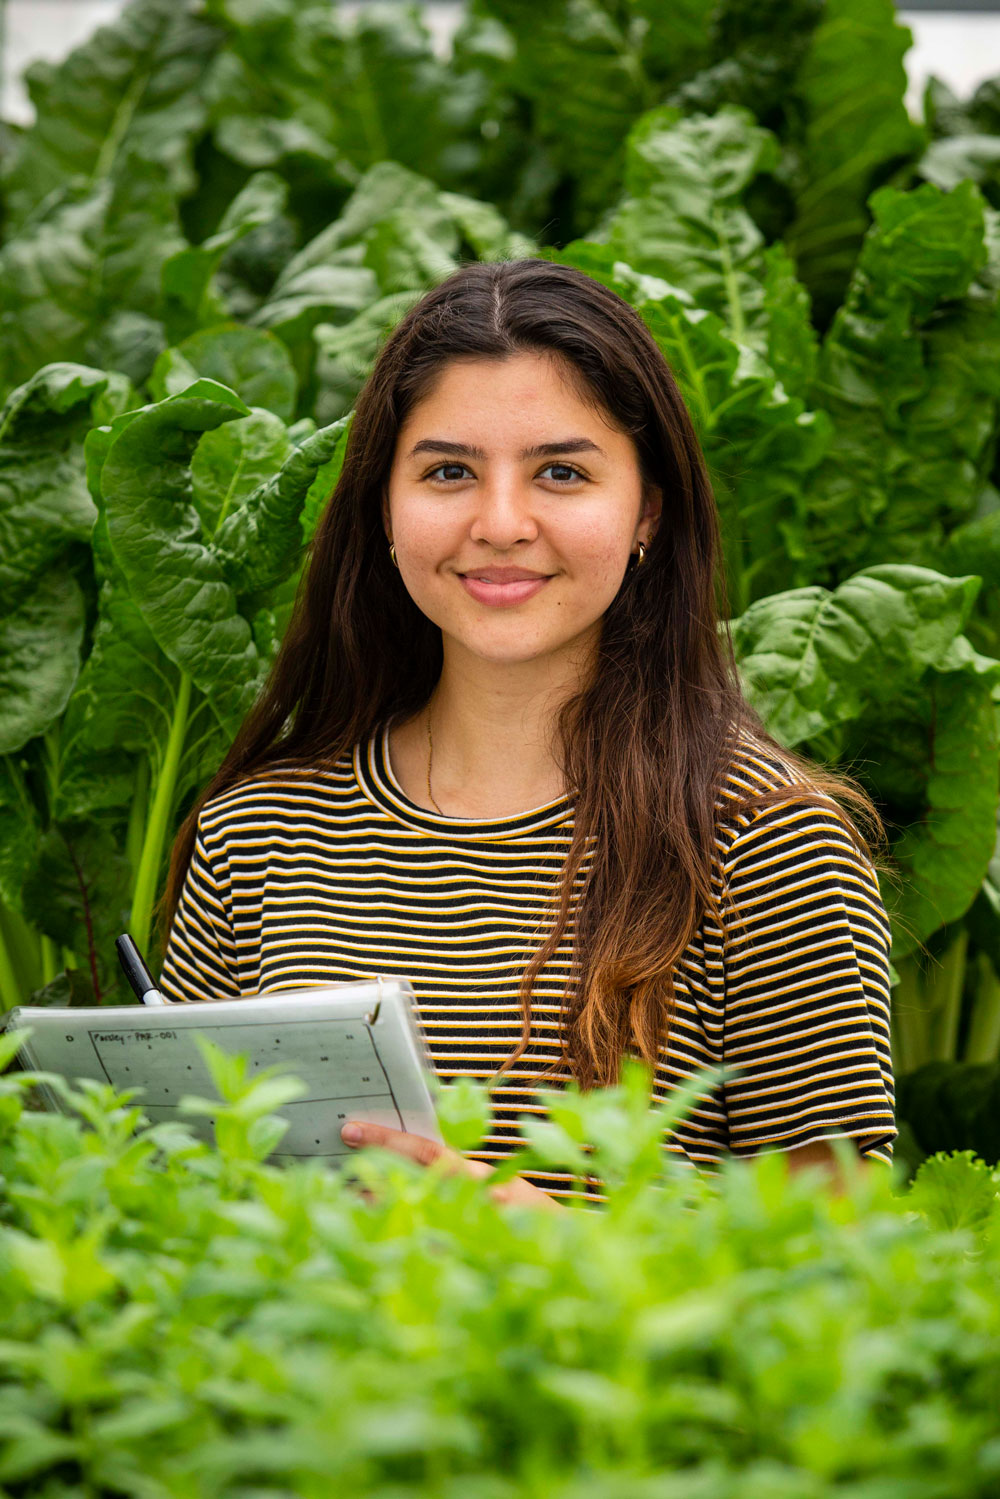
point(596, 553)
point(425, 534)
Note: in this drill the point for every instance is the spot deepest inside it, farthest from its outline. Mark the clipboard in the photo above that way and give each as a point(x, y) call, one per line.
point(357, 1047)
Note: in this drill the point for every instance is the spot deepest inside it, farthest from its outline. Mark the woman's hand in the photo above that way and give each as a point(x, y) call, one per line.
point(428, 1152)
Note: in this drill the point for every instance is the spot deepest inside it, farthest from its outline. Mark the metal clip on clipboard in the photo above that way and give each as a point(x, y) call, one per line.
point(372, 1015)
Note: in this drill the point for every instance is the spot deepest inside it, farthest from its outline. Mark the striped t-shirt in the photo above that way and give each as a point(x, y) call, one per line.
point(337, 875)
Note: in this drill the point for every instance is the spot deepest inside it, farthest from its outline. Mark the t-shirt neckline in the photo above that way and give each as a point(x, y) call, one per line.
point(378, 781)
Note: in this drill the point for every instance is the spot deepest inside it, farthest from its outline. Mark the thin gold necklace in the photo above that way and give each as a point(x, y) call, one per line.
point(430, 756)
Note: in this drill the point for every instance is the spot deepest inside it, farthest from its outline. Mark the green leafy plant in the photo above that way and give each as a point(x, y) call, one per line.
point(188, 1318)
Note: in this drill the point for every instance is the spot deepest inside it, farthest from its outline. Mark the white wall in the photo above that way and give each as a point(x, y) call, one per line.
point(962, 48)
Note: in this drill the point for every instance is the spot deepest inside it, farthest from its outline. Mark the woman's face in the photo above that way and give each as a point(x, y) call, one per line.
point(513, 508)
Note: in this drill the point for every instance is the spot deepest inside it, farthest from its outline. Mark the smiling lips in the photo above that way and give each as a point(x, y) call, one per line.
point(502, 586)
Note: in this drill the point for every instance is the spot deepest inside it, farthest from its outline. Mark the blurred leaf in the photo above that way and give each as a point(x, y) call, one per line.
point(78, 893)
point(40, 646)
point(910, 375)
point(754, 53)
point(79, 280)
point(856, 128)
point(464, 1112)
point(131, 88)
point(957, 1191)
point(188, 300)
point(249, 361)
point(345, 354)
point(578, 65)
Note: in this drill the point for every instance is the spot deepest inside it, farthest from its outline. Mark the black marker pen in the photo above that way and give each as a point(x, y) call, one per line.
point(137, 973)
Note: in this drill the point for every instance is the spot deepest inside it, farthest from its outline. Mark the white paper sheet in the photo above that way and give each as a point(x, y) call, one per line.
point(357, 1047)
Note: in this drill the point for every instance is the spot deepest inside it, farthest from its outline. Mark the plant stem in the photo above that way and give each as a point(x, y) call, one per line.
point(944, 1001)
point(909, 1018)
point(23, 951)
point(983, 1043)
point(147, 876)
point(50, 962)
point(137, 814)
point(10, 989)
point(88, 922)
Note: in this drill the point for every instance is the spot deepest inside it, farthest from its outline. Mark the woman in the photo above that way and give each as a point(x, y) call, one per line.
point(503, 751)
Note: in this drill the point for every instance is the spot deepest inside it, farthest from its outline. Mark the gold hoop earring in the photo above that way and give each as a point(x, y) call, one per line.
point(642, 554)
point(392, 554)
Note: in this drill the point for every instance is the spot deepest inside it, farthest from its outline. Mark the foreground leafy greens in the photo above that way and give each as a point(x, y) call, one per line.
point(188, 1318)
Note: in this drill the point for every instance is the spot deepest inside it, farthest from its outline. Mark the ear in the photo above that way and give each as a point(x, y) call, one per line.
point(386, 517)
point(652, 510)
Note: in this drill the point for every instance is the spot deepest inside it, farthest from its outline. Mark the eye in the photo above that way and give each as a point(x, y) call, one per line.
point(570, 473)
point(567, 468)
point(451, 477)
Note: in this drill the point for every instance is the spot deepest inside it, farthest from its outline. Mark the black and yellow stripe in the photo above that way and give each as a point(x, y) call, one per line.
point(338, 875)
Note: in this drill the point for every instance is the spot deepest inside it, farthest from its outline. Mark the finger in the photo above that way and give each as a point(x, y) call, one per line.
point(415, 1147)
point(517, 1190)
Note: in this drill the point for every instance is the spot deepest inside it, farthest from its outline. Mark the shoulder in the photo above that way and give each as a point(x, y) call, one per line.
point(755, 769)
point(768, 810)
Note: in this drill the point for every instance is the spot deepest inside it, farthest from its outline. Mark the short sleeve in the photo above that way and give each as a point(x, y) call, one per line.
point(200, 960)
point(806, 1021)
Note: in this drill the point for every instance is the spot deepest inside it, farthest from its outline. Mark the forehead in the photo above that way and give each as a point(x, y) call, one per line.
point(524, 392)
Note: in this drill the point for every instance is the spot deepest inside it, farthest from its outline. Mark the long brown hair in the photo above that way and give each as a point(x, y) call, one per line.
point(645, 744)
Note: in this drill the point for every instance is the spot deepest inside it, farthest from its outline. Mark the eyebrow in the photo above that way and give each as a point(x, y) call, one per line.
point(540, 450)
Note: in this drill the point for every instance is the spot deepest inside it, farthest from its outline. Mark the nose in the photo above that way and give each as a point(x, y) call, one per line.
point(504, 512)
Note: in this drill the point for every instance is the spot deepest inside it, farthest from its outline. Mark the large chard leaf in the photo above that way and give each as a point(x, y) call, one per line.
point(325, 480)
point(77, 893)
point(132, 89)
point(44, 503)
point(852, 86)
point(910, 374)
point(156, 537)
point(200, 550)
point(329, 280)
point(123, 706)
point(877, 675)
point(234, 460)
point(946, 754)
point(683, 218)
point(260, 542)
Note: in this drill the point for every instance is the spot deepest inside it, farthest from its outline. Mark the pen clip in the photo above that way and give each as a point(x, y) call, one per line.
point(372, 1015)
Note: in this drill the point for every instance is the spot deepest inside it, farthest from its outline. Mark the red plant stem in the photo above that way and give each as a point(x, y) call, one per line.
point(91, 945)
